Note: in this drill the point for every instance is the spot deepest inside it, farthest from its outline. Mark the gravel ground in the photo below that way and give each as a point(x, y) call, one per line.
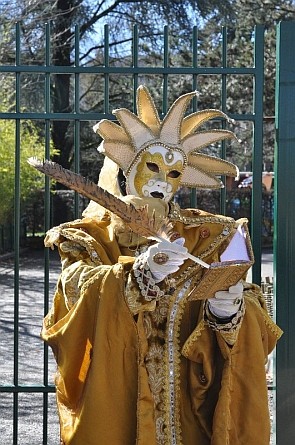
point(31, 366)
point(30, 351)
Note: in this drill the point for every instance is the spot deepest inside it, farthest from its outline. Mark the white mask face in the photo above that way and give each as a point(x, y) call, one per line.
point(156, 173)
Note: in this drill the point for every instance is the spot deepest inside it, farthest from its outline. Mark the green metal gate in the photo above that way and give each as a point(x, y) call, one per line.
point(19, 385)
point(284, 242)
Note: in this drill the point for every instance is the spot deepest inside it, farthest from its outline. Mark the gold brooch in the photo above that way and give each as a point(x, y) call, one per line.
point(160, 258)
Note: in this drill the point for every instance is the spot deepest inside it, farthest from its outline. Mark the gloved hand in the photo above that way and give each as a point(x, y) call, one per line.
point(165, 258)
point(225, 304)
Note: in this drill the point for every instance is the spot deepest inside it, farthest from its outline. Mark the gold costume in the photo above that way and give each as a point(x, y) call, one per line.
point(137, 372)
point(140, 360)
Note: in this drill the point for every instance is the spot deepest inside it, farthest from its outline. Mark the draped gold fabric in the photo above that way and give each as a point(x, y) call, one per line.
point(131, 372)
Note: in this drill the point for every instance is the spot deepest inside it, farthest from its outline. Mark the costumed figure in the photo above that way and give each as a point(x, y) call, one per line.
point(147, 354)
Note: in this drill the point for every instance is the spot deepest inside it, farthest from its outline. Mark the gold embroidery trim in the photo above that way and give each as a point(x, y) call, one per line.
point(172, 367)
point(268, 321)
point(192, 338)
point(52, 238)
point(176, 215)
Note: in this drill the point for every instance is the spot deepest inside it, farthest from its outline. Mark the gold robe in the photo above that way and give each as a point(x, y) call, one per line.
point(131, 372)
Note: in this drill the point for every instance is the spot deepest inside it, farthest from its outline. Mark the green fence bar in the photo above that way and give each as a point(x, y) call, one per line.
point(77, 213)
point(106, 105)
point(46, 227)
point(166, 66)
point(257, 158)
point(223, 107)
point(284, 240)
point(135, 44)
point(195, 35)
point(16, 237)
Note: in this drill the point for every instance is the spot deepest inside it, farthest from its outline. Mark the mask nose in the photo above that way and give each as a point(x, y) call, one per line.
point(160, 176)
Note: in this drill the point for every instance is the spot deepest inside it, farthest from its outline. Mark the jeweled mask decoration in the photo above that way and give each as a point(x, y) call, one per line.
point(158, 157)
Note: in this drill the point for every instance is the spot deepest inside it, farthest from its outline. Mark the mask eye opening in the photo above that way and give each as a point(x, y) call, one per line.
point(153, 167)
point(174, 174)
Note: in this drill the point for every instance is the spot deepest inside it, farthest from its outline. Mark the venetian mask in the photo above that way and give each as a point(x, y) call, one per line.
point(159, 156)
point(156, 173)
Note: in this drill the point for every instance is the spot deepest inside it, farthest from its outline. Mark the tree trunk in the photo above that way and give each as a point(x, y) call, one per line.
point(61, 56)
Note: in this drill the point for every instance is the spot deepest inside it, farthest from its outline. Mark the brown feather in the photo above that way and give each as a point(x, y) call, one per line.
point(137, 219)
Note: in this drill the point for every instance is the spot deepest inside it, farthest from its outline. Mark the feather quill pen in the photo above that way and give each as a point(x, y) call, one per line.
point(137, 219)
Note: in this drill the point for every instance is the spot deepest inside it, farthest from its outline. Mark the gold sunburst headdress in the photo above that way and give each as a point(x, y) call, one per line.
point(125, 142)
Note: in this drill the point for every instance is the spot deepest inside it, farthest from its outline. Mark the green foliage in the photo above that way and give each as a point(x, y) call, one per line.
point(30, 180)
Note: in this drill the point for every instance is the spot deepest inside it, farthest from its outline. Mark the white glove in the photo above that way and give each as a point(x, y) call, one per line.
point(165, 258)
point(225, 304)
